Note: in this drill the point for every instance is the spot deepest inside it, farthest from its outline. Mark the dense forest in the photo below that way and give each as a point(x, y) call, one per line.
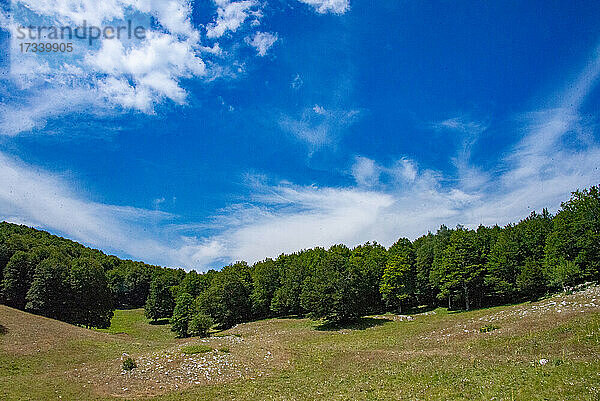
point(459, 268)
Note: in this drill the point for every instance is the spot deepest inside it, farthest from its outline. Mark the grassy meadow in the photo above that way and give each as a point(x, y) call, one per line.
point(548, 350)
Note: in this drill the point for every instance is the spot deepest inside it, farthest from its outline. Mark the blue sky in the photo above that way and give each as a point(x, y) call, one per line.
point(243, 129)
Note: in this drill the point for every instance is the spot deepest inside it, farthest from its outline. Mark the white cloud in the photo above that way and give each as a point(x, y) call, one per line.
point(461, 124)
point(154, 70)
point(365, 172)
point(132, 75)
point(468, 133)
point(45, 104)
point(328, 6)
point(262, 42)
point(405, 170)
point(37, 198)
point(230, 16)
point(318, 126)
point(539, 172)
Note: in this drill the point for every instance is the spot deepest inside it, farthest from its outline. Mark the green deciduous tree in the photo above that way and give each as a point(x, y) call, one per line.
point(16, 280)
point(183, 313)
point(332, 291)
point(575, 235)
point(265, 280)
point(91, 298)
point(227, 300)
point(200, 324)
point(398, 281)
point(293, 270)
point(463, 267)
point(367, 263)
point(424, 255)
point(160, 302)
point(50, 292)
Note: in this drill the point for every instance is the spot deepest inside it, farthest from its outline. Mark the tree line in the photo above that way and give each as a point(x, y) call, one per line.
point(457, 267)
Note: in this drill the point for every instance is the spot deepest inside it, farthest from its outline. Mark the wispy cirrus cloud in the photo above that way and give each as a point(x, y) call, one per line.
point(468, 131)
point(401, 199)
point(328, 6)
point(45, 200)
point(318, 126)
point(388, 200)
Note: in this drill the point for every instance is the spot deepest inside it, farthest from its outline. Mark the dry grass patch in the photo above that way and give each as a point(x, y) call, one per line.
point(26, 334)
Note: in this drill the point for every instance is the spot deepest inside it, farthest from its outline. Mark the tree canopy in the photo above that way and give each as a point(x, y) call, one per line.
point(460, 268)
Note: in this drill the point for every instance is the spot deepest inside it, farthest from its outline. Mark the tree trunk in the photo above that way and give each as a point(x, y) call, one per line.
point(449, 301)
point(466, 297)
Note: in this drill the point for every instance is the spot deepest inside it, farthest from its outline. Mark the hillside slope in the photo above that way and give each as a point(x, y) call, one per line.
point(546, 350)
point(25, 333)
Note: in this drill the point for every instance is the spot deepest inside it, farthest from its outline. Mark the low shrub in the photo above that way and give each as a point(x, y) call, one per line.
point(129, 364)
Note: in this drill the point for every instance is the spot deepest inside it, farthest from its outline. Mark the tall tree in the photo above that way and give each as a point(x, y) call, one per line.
point(424, 255)
point(227, 300)
point(293, 270)
point(160, 301)
point(463, 266)
point(49, 292)
point(265, 279)
point(368, 261)
point(194, 283)
point(333, 291)
point(92, 303)
point(183, 313)
point(398, 281)
point(440, 243)
point(575, 236)
point(16, 280)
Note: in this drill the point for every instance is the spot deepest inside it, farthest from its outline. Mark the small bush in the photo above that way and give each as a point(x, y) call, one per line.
point(196, 349)
point(200, 324)
point(488, 328)
point(224, 350)
point(129, 364)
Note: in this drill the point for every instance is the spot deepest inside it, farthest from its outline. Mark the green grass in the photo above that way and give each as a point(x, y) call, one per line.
point(367, 359)
point(134, 324)
point(196, 349)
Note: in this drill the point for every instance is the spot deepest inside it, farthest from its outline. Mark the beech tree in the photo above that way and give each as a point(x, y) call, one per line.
point(398, 281)
point(50, 291)
point(160, 303)
point(184, 310)
point(332, 291)
point(265, 280)
point(463, 267)
point(91, 298)
point(16, 280)
point(575, 237)
point(227, 300)
point(368, 263)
